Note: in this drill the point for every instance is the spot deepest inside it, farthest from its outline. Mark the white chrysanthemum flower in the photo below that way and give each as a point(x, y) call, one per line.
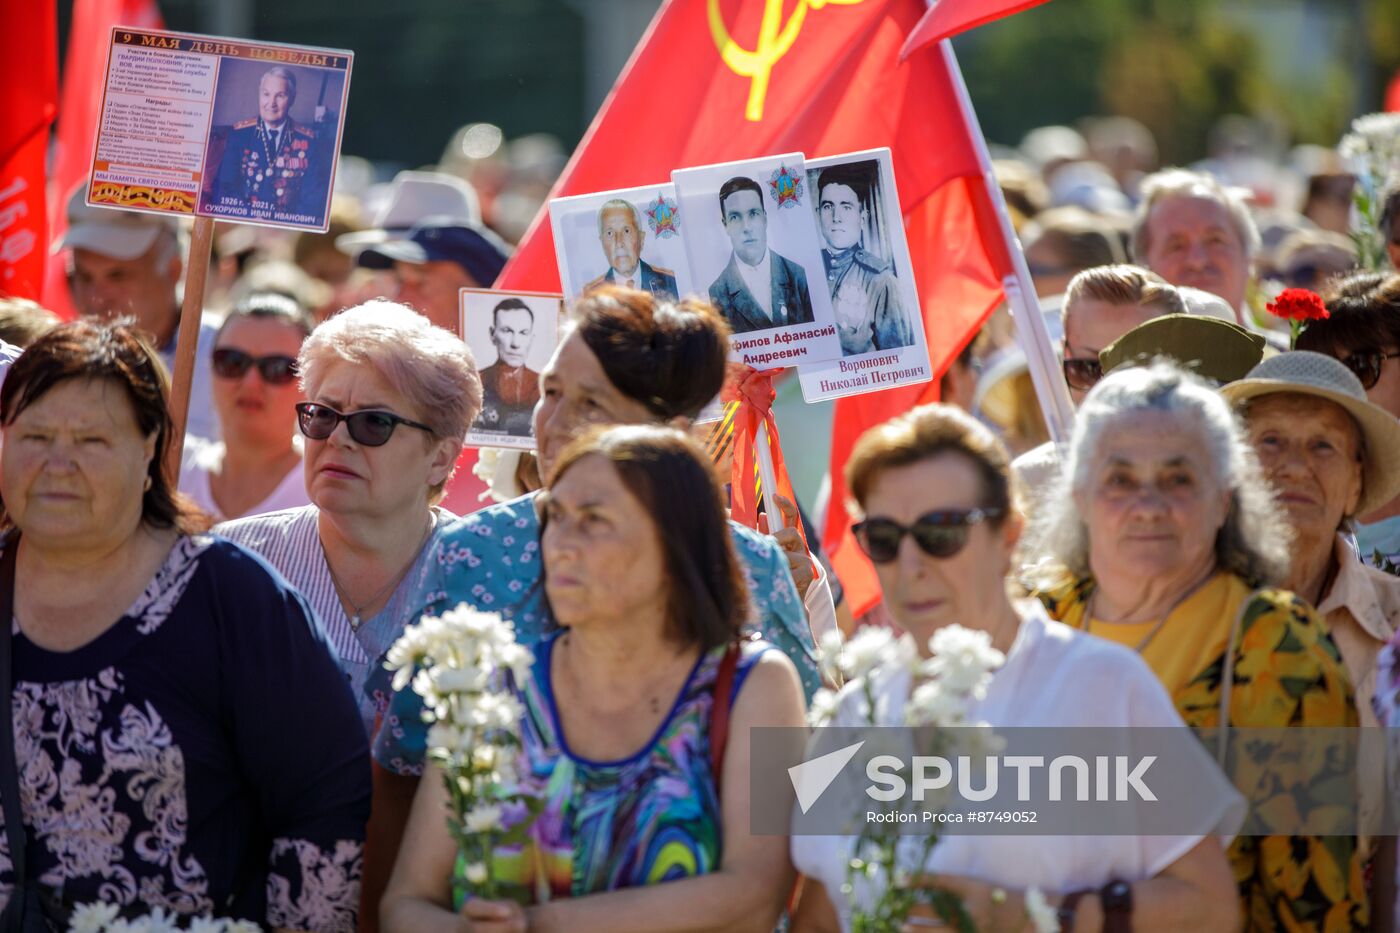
point(871, 647)
point(1043, 917)
point(829, 651)
point(963, 659)
point(92, 918)
point(933, 705)
point(207, 925)
point(483, 818)
point(476, 873)
point(823, 707)
point(243, 926)
point(158, 921)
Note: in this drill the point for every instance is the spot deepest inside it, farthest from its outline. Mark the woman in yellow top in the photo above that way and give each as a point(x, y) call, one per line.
point(1165, 538)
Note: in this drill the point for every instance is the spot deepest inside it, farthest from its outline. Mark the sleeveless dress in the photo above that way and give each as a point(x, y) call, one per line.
point(605, 825)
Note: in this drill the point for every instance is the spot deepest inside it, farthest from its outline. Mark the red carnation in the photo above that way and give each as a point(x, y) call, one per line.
point(1298, 304)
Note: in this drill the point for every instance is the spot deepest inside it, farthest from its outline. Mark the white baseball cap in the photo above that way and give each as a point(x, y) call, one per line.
point(414, 196)
point(114, 233)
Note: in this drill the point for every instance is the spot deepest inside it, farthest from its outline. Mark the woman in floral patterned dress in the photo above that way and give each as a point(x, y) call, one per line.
point(183, 736)
point(1164, 537)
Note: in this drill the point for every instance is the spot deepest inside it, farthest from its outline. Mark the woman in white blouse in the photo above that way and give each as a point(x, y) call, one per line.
point(941, 526)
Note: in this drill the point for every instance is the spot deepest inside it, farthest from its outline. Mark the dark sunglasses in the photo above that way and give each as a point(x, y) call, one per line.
point(1083, 374)
point(370, 427)
point(938, 534)
point(275, 370)
point(1367, 365)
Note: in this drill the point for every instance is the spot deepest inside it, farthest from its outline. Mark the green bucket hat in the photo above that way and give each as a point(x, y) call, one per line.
point(1213, 349)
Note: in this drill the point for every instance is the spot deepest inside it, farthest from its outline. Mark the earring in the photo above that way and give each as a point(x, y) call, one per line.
point(147, 486)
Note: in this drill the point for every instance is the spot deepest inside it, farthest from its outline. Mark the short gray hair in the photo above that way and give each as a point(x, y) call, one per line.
point(1183, 183)
point(1253, 541)
point(425, 363)
point(286, 74)
point(619, 204)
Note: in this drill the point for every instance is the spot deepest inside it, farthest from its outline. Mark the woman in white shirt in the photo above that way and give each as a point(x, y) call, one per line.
point(256, 468)
point(940, 525)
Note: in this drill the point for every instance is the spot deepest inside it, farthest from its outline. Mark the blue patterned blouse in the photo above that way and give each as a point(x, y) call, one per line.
point(491, 561)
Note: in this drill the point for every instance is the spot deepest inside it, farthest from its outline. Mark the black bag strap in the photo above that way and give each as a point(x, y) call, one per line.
point(9, 767)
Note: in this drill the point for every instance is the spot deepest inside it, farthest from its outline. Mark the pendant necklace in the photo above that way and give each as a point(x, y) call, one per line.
point(1152, 633)
point(357, 612)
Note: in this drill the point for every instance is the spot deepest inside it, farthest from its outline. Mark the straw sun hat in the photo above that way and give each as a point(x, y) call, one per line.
point(1322, 376)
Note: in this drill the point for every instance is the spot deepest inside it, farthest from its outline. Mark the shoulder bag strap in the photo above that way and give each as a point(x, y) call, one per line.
point(9, 767)
point(719, 712)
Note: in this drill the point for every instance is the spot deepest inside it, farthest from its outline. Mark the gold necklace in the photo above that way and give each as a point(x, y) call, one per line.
point(357, 612)
point(1152, 633)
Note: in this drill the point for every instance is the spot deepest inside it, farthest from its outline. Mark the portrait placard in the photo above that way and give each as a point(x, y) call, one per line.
point(512, 335)
point(214, 127)
point(754, 250)
point(869, 279)
point(633, 237)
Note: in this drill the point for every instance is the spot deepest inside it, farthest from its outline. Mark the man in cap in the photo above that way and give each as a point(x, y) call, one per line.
point(864, 293)
point(438, 257)
point(271, 164)
point(125, 263)
point(621, 236)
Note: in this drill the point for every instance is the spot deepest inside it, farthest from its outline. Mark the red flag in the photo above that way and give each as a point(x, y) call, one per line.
point(84, 73)
point(29, 72)
point(949, 17)
point(717, 80)
point(1392, 95)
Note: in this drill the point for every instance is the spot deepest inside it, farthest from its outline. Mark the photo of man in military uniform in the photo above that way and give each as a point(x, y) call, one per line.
point(758, 289)
point(272, 163)
point(864, 293)
point(621, 236)
point(509, 388)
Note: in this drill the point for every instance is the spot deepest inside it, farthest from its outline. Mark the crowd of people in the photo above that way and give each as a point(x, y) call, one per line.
point(197, 712)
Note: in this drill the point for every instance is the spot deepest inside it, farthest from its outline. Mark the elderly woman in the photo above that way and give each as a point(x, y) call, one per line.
point(390, 398)
point(635, 833)
point(1363, 331)
point(939, 521)
point(1164, 538)
point(182, 736)
point(257, 467)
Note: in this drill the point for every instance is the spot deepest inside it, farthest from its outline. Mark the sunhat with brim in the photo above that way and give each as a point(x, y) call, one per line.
point(1323, 377)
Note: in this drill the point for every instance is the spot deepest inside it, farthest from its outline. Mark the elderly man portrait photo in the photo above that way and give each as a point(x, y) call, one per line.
point(864, 292)
point(510, 389)
point(758, 289)
point(270, 162)
point(621, 236)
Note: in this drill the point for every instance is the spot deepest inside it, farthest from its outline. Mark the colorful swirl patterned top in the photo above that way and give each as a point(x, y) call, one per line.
point(605, 825)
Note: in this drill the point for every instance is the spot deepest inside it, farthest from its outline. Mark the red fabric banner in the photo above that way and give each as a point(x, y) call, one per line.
point(717, 80)
point(949, 17)
point(29, 74)
point(84, 73)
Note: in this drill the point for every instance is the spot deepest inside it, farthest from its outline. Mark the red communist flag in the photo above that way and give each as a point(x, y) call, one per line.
point(29, 73)
point(950, 17)
point(84, 73)
point(717, 80)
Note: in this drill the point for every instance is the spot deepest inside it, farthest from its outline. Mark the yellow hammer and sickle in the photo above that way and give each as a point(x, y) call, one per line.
point(774, 39)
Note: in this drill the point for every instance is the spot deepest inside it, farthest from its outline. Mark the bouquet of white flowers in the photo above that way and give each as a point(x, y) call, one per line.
point(947, 683)
point(1373, 149)
point(457, 663)
point(102, 918)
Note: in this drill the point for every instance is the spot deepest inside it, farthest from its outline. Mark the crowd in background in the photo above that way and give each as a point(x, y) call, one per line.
point(1216, 545)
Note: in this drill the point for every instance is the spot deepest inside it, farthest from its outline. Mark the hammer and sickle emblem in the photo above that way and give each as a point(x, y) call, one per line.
point(775, 38)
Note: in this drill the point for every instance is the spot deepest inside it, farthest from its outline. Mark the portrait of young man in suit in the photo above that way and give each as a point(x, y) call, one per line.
point(758, 289)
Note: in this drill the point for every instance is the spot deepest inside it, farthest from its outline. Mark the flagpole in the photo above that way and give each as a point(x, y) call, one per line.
point(769, 476)
point(187, 343)
point(1041, 358)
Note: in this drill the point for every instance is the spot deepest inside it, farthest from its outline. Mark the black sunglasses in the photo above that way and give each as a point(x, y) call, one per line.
point(370, 427)
point(275, 370)
point(1367, 365)
point(1083, 374)
point(938, 534)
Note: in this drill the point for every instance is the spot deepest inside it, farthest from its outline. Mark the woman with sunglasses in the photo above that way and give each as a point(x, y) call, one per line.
point(256, 468)
point(1363, 331)
point(1163, 537)
point(938, 518)
point(390, 397)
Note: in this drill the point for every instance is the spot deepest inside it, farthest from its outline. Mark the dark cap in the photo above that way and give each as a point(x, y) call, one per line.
point(473, 247)
point(1213, 349)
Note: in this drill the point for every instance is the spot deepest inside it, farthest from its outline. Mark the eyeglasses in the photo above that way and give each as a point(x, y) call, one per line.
point(275, 370)
point(938, 534)
point(1367, 365)
point(370, 427)
point(1083, 374)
